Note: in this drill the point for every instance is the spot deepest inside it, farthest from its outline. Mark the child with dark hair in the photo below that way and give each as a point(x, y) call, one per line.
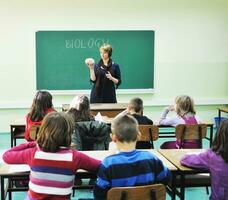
point(80, 109)
point(135, 108)
point(216, 161)
point(53, 163)
point(129, 167)
point(42, 104)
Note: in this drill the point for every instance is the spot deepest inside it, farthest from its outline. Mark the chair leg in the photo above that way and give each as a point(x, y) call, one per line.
point(207, 190)
point(73, 193)
point(153, 194)
point(123, 195)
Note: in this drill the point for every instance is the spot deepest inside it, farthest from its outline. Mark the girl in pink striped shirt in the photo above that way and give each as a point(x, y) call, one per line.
point(53, 163)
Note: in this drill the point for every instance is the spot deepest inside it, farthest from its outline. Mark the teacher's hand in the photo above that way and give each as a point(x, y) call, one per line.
point(109, 76)
point(90, 62)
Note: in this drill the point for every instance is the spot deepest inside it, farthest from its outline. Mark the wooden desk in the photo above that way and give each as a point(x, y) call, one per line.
point(17, 131)
point(106, 109)
point(17, 128)
point(174, 156)
point(5, 172)
point(220, 110)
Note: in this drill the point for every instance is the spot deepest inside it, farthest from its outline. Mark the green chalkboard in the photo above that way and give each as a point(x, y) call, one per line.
point(60, 57)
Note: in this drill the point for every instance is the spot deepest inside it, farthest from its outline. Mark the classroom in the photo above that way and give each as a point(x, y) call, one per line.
point(190, 55)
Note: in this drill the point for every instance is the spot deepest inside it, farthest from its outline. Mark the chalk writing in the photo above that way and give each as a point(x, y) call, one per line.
point(85, 43)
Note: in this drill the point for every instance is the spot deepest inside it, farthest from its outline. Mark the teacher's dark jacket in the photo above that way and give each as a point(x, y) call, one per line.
point(103, 89)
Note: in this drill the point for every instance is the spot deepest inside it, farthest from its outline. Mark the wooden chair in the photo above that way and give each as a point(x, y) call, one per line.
point(16, 132)
point(191, 132)
point(148, 133)
point(34, 129)
point(147, 192)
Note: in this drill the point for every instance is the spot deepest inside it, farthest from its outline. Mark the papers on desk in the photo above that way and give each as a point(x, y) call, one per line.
point(1, 154)
point(98, 117)
point(18, 168)
point(195, 153)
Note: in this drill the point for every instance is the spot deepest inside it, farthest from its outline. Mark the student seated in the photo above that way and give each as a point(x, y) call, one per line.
point(185, 114)
point(216, 161)
point(53, 163)
point(80, 109)
point(88, 134)
point(135, 108)
point(42, 104)
point(128, 167)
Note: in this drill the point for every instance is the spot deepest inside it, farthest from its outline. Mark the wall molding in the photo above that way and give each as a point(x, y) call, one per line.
point(118, 91)
point(147, 103)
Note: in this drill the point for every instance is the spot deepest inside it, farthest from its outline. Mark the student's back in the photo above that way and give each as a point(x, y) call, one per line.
point(42, 104)
point(135, 108)
point(185, 114)
point(129, 167)
point(53, 164)
point(216, 161)
point(143, 120)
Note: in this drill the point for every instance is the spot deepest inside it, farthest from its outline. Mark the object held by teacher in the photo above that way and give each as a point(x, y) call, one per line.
point(105, 76)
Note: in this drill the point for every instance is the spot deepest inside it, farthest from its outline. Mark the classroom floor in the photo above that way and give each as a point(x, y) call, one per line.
point(191, 193)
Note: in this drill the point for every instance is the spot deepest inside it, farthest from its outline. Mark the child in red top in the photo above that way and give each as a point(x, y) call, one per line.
point(42, 104)
point(53, 163)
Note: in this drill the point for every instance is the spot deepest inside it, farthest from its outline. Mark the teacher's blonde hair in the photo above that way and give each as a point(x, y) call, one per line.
point(107, 48)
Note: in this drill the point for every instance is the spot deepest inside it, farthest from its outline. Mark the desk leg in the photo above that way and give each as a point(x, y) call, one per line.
point(211, 135)
point(11, 136)
point(2, 189)
point(173, 186)
point(219, 117)
point(182, 187)
point(10, 188)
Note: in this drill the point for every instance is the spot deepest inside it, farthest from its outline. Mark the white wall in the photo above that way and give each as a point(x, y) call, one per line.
point(191, 47)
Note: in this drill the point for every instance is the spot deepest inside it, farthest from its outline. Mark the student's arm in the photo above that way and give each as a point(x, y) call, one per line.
point(102, 185)
point(162, 173)
point(173, 121)
point(85, 162)
point(197, 161)
point(21, 154)
point(124, 112)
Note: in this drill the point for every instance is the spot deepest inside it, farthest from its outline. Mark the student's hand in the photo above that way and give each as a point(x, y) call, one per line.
point(171, 108)
point(109, 76)
point(90, 62)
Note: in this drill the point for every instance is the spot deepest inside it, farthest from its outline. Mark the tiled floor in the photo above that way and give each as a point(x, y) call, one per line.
point(191, 193)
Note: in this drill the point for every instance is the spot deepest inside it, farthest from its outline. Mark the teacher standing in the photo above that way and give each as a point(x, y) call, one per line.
point(105, 76)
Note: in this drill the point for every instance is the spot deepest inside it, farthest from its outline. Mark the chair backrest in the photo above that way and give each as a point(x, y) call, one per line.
point(147, 192)
point(34, 129)
point(191, 132)
point(148, 133)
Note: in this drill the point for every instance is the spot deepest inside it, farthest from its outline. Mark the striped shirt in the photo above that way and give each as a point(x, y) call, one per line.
point(52, 174)
point(129, 169)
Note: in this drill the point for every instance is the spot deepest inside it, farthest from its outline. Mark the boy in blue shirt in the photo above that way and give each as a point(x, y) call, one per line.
point(129, 167)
